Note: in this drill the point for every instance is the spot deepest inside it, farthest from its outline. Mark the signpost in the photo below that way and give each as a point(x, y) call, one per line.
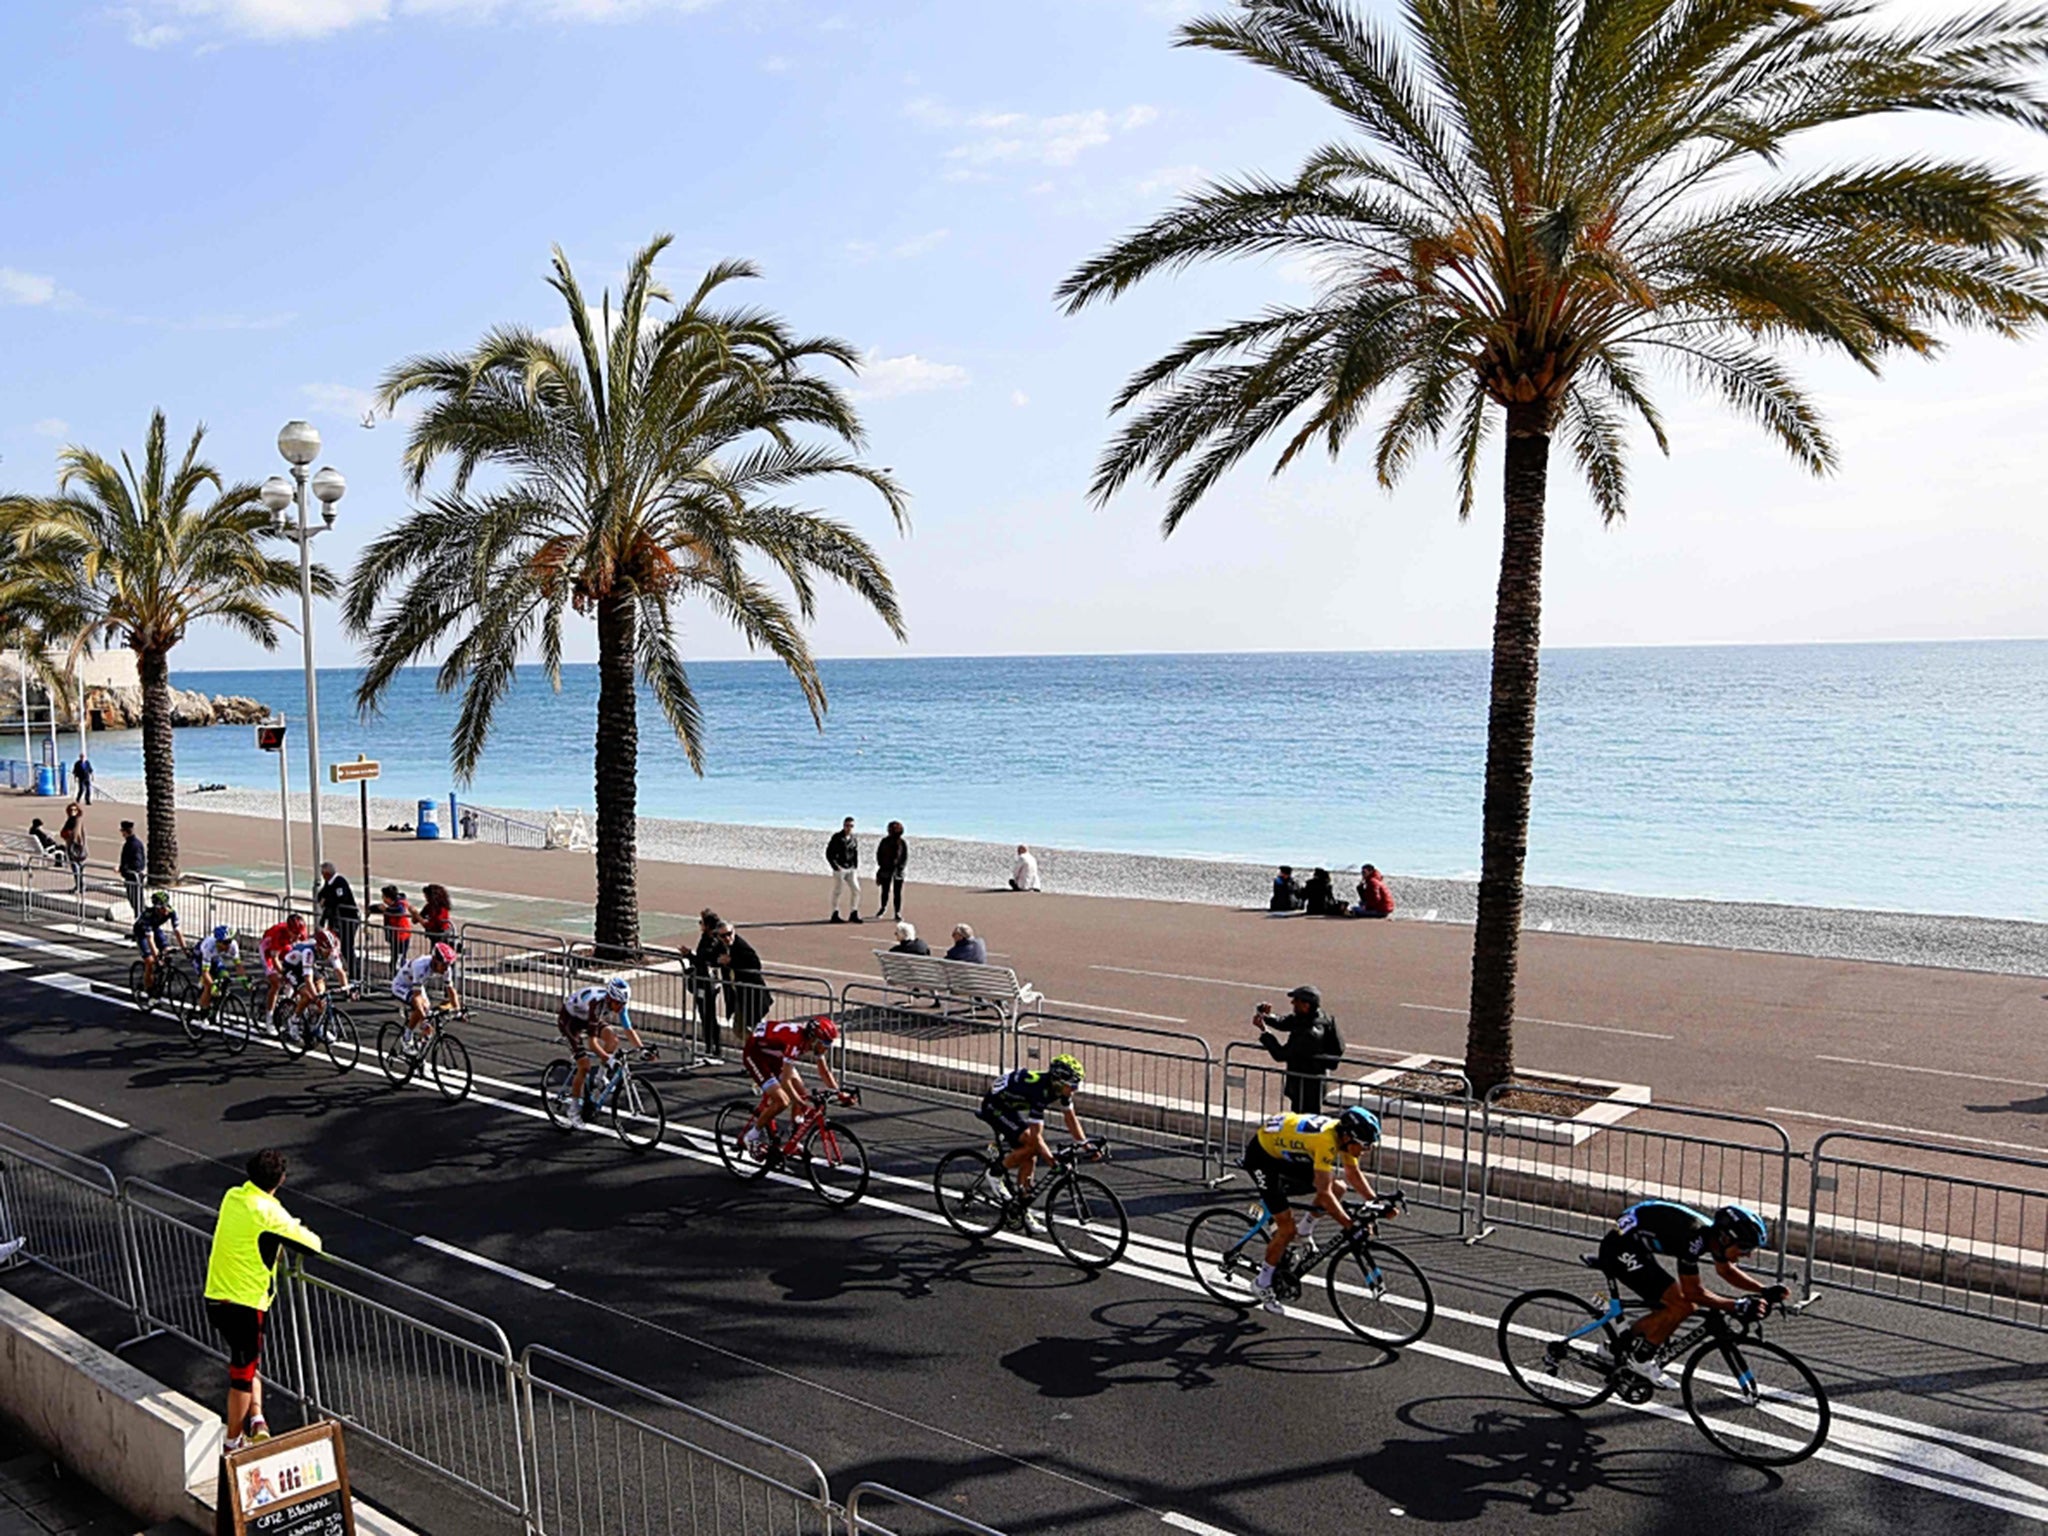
point(270, 738)
point(359, 773)
point(293, 1484)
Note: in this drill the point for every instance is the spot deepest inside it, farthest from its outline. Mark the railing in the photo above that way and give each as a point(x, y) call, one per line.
point(891, 1037)
point(496, 827)
point(1150, 1087)
point(65, 1206)
point(930, 1517)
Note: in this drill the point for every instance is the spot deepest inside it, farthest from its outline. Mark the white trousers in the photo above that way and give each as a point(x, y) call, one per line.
point(846, 888)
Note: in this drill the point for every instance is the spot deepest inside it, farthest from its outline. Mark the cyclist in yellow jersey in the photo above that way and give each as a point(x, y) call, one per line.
point(1293, 1154)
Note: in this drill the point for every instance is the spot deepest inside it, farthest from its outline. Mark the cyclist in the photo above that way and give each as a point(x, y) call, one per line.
point(148, 934)
point(1658, 1229)
point(1014, 1108)
point(410, 982)
point(305, 968)
point(591, 1020)
point(771, 1055)
point(219, 953)
point(278, 938)
point(1293, 1154)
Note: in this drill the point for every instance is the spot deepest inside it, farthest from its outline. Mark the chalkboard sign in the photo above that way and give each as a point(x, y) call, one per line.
point(291, 1485)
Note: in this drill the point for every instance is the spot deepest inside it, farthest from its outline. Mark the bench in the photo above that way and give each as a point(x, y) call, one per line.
point(996, 984)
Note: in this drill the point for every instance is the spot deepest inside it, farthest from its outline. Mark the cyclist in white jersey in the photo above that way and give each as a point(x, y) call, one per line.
point(305, 968)
point(410, 982)
point(590, 1021)
point(218, 954)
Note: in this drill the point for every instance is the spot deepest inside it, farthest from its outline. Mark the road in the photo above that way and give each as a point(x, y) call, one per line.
point(995, 1380)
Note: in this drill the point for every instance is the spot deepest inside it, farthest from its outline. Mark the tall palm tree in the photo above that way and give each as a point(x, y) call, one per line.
point(638, 466)
point(1541, 203)
point(143, 555)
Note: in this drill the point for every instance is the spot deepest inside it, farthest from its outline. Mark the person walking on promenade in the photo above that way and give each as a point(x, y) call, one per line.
point(72, 836)
point(397, 914)
point(907, 941)
point(967, 947)
point(134, 867)
point(1374, 899)
point(249, 1235)
point(81, 778)
point(335, 902)
point(1311, 1051)
point(1024, 873)
point(842, 853)
point(437, 919)
point(892, 857)
point(703, 966)
point(746, 989)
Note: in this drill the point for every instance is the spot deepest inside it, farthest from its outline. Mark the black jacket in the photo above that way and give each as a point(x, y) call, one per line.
point(741, 962)
point(337, 901)
point(134, 857)
point(1311, 1047)
point(911, 947)
point(892, 857)
point(843, 852)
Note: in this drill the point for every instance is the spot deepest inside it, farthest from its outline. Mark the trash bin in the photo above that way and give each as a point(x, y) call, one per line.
point(46, 779)
point(428, 824)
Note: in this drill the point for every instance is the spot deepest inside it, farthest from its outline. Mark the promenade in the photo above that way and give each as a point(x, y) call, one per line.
point(1816, 1044)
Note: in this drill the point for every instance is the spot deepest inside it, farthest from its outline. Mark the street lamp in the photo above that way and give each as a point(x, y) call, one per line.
point(299, 442)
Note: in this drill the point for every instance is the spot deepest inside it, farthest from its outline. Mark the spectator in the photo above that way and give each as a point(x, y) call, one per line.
point(967, 947)
point(437, 920)
point(842, 853)
point(72, 836)
point(134, 867)
point(81, 777)
point(1374, 899)
point(704, 964)
point(45, 844)
point(468, 824)
point(335, 902)
point(1024, 873)
point(397, 914)
point(746, 989)
point(892, 857)
point(1319, 896)
point(1311, 1051)
point(1286, 891)
point(247, 1236)
point(907, 941)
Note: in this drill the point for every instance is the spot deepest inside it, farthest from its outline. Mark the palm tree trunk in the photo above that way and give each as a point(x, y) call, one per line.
point(617, 928)
point(159, 768)
point(1510, 752)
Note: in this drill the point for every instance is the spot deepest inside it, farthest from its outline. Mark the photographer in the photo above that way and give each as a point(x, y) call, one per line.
point(1310, 1052)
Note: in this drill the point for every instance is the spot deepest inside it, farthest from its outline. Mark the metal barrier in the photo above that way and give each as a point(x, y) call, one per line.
point(602, 1471)
point(664, 1008)
point(512, 970)
point(169, 1238)
point(1150, 1087)
point(497, 827)
point(1552, 1172)
point(68, 1208)
point(1967, 1237)
point(864, 1495)
point(945, 1057)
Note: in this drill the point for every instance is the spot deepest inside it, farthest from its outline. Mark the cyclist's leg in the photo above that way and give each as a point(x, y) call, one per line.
point(1027, 1151)
point(1636, 1268)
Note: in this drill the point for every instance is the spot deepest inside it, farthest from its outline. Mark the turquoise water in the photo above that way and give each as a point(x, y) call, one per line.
point(1912, 777)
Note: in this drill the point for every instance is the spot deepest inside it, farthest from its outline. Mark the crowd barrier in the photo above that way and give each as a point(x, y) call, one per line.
point(865, 1496)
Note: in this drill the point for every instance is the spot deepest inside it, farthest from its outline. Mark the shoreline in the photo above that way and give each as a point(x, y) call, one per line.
point(1998, 945)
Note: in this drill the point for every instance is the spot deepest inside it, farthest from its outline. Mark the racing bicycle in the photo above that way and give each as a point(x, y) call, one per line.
point(1755, 1400)
point(231, 1013)
point(635, 1108)
point(403, 1050)
point(174, 982)
point(832, 1156)
point(327, 1026)
point(978, 1196)
point(1375, 1288)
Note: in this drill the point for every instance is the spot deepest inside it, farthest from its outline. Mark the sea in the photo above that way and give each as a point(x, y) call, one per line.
point(1906, 777)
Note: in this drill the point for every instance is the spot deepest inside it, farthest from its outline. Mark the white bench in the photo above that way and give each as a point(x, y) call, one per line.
point(996, 984)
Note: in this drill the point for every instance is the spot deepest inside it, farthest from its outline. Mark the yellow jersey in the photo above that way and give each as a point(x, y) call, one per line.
point(1310, 1139)
point(235, 1270)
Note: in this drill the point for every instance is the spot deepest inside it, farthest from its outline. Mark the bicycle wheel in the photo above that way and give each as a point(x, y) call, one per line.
point(1380, 1293)
point(1225, 1249)
point(1537, 1346)
point(637, 1114)
point(237, 1026)
point(554, 1092)
point(1087, 1221)
point(138, 986)
point(398, 1062)
point(448, 1060)
point(969, 1188)
point(338, 1035)
point(836, 1164)
point(1755, 1401)
point(741, 1161)
point(190, 1019)
point(295, 1035)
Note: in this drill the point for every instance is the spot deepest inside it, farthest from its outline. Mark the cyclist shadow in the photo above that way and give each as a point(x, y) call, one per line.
point(307, 1101)
point(1473, 1457)
point(914, 1268)
point(1188, 1346)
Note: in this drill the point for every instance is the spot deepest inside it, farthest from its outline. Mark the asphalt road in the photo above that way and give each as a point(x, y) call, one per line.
point(997, 1380)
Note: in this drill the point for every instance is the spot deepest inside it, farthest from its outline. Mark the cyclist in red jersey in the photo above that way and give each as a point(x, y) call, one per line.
point(771, 1055)
point(278, 938)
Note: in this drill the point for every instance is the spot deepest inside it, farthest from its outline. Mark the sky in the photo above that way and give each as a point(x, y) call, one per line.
point(244, 211)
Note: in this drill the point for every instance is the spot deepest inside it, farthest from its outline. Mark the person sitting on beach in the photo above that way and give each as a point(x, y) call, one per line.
point(1319, 896)
point(907, 941)
point(1374, 899)
point(966, 947)
point(1024, 873)
point(1286, 891)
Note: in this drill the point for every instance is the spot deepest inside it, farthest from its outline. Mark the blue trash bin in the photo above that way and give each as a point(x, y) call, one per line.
point(46, 779)
point(427, 824)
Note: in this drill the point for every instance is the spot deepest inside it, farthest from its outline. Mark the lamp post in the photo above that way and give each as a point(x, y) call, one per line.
point(300, 445)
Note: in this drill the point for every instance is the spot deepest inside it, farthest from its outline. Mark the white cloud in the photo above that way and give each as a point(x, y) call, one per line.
point(883, 378)
point(902, 250)
point(1019, 399)
point(157, 23)
point(51, 426)
point(777, 64)
point(1020, 138)
point(26, 287)
point(340, 399)
point(1171, 180)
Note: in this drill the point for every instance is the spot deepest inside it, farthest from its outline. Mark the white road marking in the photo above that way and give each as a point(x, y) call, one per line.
point(1523, 1018)
point(63, 981)
point(91, 1114)
point(483, 1263)
point(1185, 1523)
point(9, 963)
point(1898, 1066)
point(1129, 1013)
point(45, 947)
point(1214, 981)
point(1903, 1130)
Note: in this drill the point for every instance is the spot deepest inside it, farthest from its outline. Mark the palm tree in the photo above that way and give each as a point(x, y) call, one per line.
point(1543, 201)
point(639, 466)
point(143, 556)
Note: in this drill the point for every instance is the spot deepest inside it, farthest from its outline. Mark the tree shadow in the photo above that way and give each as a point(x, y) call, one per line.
point(2034, 1106)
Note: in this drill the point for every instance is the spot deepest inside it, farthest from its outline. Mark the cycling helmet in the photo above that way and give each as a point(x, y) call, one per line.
point(295, 922)
point(223, 934)
point(1360, 1125)
point(1066, 1069)
point(619, 990)
point(159, 898)
point(1743, 1227)
point(822, 1028)
point(327, 941)
point(445, 953)
point(1307, 995)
